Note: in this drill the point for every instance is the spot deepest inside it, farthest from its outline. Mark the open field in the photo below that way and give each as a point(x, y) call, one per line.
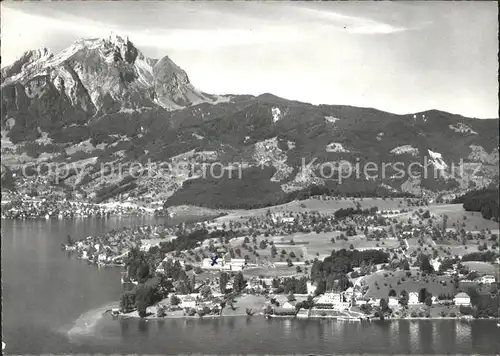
point(482, 267)
point(254, 302)
point(279, 271)
point(311, 245)
point(321, 206)
point(389, 280)
point(453, 247)
point(321, 244)
point(473, 220)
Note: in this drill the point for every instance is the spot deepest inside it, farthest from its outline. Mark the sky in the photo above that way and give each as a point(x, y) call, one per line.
point(401, 57)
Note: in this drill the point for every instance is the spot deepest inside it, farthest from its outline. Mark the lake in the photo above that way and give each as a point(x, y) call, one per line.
point(51, 302)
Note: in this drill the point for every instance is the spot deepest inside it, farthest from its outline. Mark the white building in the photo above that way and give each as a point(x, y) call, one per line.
point(393, 302)
point(413, 298)
point(236, 264)
point(435, 264)
point(462, 299)
point(488, 279)
point(348, 293)
point(311, 288)
point(335, 300)
point(187, 301)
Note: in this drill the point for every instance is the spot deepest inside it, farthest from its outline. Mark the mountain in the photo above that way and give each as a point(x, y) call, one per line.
point(94, 77)
point(100, 107)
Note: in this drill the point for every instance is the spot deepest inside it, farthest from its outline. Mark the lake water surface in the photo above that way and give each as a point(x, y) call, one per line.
point(52, 303)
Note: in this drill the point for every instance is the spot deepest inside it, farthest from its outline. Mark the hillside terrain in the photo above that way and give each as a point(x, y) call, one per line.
point(100, 121)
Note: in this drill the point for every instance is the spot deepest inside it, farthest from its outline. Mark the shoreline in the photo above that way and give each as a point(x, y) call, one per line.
point(196, 317)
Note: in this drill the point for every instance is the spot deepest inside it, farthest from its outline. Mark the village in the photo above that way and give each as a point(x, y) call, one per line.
point(348, 260)
point(47, 208)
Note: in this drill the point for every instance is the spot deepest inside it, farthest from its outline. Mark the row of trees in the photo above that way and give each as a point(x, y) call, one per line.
point(290, 285)
point(488, 256)
point(346, 212)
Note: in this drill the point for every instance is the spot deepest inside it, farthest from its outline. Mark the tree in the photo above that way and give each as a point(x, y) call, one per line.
point(392, 293)
point(174, 300)
point(223, 279)
point(143, 298)
point(268, 310)
point(274, 251)
point(384, 306)
point(424, 264)
point(143, 272)
point(422, 295)
point(206, 292)
point(343, 282)
point(403, 298)
point(127, 301)
point(239, 282)
point(301, 287)
point(428, 300)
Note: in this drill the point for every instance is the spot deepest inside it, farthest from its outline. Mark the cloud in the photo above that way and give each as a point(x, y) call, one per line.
point(352, 24)
point(49, 28)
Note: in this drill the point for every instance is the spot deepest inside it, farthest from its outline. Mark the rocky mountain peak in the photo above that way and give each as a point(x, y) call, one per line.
point(105, 75)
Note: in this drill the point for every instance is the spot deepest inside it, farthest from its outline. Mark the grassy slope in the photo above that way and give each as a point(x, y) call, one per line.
point(412, 284)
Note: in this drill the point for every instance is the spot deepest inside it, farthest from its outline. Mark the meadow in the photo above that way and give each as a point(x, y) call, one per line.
point(380, 283)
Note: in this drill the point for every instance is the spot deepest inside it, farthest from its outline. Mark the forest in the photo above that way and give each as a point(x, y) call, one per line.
point(483, 200)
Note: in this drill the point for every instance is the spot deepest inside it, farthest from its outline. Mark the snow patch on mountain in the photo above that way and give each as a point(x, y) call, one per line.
point(437, 160)
point(276, 112)
point(331, 119)
point(10, 123)
point(303, 179)
point(267, 153)
point(479, 154)
point(408, 149)
point(197, 136)
point(422, 117)
point(335, 147)
point(389, 188)
point(291, 145)
point(84, 146)
point(462, 128)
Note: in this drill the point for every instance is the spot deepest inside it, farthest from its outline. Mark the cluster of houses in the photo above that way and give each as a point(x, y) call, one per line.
point(194, 301)
point(46, 209)
point(114, 245)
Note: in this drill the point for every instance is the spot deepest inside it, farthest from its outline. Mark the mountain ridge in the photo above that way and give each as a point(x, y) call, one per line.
point(101, 101)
